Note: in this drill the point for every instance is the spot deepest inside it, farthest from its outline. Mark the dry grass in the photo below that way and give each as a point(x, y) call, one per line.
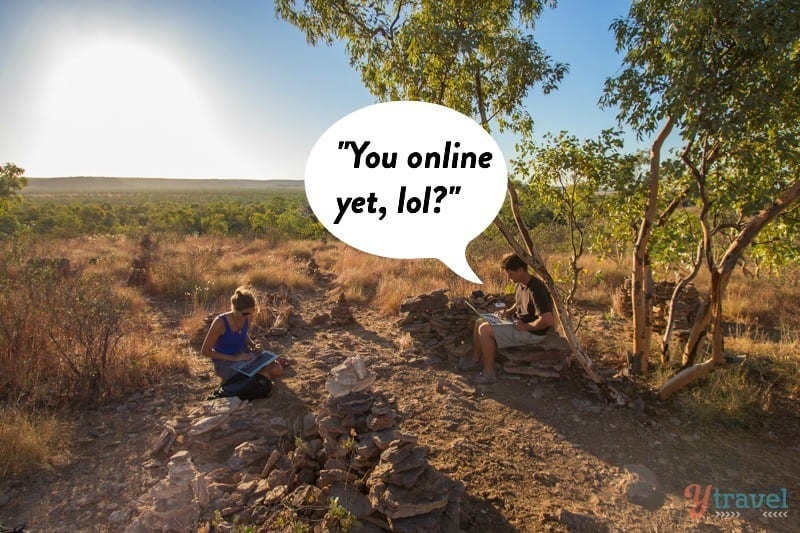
point(760, 391)
point(202, 273)
point(283, 274)
point(70, 339)
point(385, 283)
point(30, 441)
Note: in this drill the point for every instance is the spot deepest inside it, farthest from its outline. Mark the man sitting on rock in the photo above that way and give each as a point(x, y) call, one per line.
point(533, 312)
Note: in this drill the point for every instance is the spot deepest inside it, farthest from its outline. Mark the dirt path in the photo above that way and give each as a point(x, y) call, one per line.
point(533, 455)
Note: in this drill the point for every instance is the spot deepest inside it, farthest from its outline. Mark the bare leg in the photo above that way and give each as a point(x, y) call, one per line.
point(477, 354)
point(488, 347)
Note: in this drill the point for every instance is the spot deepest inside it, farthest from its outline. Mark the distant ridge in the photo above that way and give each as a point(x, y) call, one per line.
point(86, 184)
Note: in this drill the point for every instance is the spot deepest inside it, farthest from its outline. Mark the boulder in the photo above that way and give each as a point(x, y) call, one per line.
point(642, 487)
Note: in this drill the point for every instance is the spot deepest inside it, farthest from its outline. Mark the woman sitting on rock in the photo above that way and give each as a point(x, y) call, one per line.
point(228, 341)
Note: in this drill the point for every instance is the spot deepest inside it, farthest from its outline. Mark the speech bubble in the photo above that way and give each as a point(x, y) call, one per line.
point(407, 180)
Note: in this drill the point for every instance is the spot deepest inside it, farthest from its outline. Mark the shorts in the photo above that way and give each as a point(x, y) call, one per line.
point(508, 336)
point(224, 369)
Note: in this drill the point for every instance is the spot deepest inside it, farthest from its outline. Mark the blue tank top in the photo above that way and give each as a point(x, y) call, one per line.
point(231, 342)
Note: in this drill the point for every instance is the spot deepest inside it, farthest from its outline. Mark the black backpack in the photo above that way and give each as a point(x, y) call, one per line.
point(244, 387)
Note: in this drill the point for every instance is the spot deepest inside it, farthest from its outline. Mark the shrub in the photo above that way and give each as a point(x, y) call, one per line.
point(68, 336)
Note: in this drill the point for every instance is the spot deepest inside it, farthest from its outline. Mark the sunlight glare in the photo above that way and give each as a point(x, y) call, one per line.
point(117, 108)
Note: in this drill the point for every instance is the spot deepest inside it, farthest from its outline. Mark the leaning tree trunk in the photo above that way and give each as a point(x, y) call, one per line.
point(641, 277)
point(530, 256)
point(674, 299)
point(719, 282)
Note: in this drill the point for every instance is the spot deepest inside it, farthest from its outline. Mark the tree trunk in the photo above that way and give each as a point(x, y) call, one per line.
point(685, 377)
point(701, 322)
point(641, 277)
point(675, 294)
point(719, 282)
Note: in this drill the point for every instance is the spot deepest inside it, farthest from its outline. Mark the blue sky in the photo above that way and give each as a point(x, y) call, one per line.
point(222, 89)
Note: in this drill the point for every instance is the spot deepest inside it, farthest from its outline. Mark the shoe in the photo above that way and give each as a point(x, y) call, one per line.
point(466, 365)
point(482, 378)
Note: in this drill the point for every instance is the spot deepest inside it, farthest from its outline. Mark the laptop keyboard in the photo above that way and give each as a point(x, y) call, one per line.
point(252, 365)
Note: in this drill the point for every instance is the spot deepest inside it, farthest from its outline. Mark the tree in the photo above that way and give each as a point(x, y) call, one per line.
point(724, 73)
point(475, 57)
point(586, 184)
point(11, 182)
point(479, 58)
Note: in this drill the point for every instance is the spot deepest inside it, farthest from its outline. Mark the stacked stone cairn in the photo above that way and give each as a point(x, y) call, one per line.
point(685, 307)
point(351, 457)
point(443, 328)
point(376, 470)
point(174, 503)
point(341, 313)
point(141, 265)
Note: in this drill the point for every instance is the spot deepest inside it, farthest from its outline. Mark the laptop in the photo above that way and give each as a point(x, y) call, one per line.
point(251, 367)
point(489, 317)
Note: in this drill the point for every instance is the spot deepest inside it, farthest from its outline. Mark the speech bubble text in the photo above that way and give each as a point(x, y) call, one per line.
point(407, 180)
point(445, 159)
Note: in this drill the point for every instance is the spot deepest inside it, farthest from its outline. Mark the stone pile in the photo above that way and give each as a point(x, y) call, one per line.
point(208, 417)
point(341, 314)
point(140, 266)
point(546, 359)
point(438, 326)
point(685, 307)
point(361, 441)
point(443, 328)
point(173, 504)
point(351, 455)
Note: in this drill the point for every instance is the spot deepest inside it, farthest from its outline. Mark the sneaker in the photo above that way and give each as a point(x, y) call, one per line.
point(466, 365)
point(482, 378)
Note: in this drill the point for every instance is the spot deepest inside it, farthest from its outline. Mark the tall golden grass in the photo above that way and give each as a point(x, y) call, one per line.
point(30, 441)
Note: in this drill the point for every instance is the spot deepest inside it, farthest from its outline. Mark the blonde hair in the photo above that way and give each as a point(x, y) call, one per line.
point(243, 298)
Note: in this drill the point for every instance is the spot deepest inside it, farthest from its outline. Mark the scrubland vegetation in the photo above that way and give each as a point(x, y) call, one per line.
point(76, 335)
point(80, 336)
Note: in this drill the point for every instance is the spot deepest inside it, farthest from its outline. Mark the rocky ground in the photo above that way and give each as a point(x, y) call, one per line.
point(532, 454)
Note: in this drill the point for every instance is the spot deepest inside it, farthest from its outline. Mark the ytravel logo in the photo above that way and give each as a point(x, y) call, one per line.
point(731, 504)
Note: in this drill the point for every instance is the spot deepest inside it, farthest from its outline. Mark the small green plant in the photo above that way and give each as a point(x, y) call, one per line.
point(301, 527)
point(299, 442)
point(349, 443)
point(338, 514)
point(217, 520)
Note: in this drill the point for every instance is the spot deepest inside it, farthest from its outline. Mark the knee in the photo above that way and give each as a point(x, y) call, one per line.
point(272, 371)
point(485, 330)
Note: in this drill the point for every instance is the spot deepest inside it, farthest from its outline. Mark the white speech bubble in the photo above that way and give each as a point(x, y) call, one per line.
point(392, 205)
